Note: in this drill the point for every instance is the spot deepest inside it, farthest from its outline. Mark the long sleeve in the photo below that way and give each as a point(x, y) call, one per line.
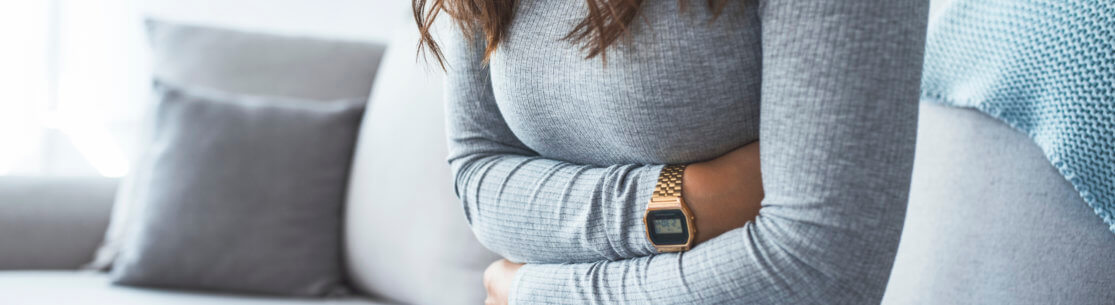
point(838, 120)
point(528, 208)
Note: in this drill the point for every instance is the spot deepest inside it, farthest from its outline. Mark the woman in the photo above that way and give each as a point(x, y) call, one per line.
point(563, 114)
point(1013, 195)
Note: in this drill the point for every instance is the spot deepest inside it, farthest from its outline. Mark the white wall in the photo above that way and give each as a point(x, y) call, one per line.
point(371, 20)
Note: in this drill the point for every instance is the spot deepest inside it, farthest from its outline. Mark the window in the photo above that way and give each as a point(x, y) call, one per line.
point(73, 79)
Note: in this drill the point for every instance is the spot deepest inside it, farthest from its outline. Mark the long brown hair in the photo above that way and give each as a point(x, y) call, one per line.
point(607, 21)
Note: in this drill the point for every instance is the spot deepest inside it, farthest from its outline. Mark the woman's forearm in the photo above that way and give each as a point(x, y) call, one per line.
point(537, 210)
point(724, 193)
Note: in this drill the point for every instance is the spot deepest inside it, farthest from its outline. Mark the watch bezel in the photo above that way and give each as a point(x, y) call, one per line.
point(670, 204)
point(667, 239)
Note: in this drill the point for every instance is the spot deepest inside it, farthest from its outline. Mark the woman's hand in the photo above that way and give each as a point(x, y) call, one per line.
point(724, 193)
point(497, 281)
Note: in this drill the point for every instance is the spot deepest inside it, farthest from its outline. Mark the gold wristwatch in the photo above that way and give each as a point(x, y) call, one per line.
point(669, 224)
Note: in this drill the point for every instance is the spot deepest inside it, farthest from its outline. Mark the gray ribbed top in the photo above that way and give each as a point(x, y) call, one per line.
point(556, 156)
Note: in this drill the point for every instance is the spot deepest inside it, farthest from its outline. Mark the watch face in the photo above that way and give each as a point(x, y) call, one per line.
point(668, 227)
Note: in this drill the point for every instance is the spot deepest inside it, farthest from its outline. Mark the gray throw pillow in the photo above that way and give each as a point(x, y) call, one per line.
point(244, 63)
point(241, 193)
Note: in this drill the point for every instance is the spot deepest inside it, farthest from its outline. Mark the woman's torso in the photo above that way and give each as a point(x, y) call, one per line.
point(990, 220)
point(684, 88)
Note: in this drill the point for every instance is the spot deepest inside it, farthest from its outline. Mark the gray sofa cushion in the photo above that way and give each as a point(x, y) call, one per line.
point(405, 232)
point(991, 221)
point(252, 64)
point(69, 287)
point(52, 222)
point(241, 193)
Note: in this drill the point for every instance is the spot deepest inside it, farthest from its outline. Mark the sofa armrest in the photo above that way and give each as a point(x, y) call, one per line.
point(53, 222)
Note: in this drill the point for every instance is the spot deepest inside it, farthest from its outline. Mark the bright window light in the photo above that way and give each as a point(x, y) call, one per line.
point(75, 76)
point(25, 28)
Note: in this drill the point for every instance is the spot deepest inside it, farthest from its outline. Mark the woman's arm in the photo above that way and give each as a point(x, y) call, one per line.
point(536, 210)
point(839, 113)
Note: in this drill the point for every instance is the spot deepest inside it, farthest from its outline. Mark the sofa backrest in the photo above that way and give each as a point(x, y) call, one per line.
point(407, 239)
point(262, 64)
point(52, 222)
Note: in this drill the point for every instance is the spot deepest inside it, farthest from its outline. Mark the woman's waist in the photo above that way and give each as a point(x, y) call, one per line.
point(603, 146)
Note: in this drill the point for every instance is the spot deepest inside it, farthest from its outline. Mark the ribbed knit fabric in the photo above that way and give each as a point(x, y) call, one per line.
point(555, 156)
point(1045, 67)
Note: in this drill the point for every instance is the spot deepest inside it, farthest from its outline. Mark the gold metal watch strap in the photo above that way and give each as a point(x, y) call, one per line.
point(669, 182)
point(667, 195)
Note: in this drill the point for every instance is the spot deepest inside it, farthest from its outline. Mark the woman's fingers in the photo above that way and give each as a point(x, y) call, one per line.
point(497, 281)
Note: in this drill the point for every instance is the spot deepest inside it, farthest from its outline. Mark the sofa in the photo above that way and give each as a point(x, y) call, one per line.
point(405, 238)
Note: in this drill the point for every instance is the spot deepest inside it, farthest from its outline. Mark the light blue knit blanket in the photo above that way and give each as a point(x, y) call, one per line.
point(1047, 68)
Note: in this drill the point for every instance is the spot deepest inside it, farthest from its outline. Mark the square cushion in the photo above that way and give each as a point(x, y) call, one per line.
point(241, 193)
point(245, 63)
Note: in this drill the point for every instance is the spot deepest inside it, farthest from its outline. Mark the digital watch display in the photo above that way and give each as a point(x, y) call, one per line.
point(668, 227)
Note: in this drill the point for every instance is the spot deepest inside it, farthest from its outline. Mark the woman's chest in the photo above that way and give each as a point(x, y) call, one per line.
point(680, 89)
